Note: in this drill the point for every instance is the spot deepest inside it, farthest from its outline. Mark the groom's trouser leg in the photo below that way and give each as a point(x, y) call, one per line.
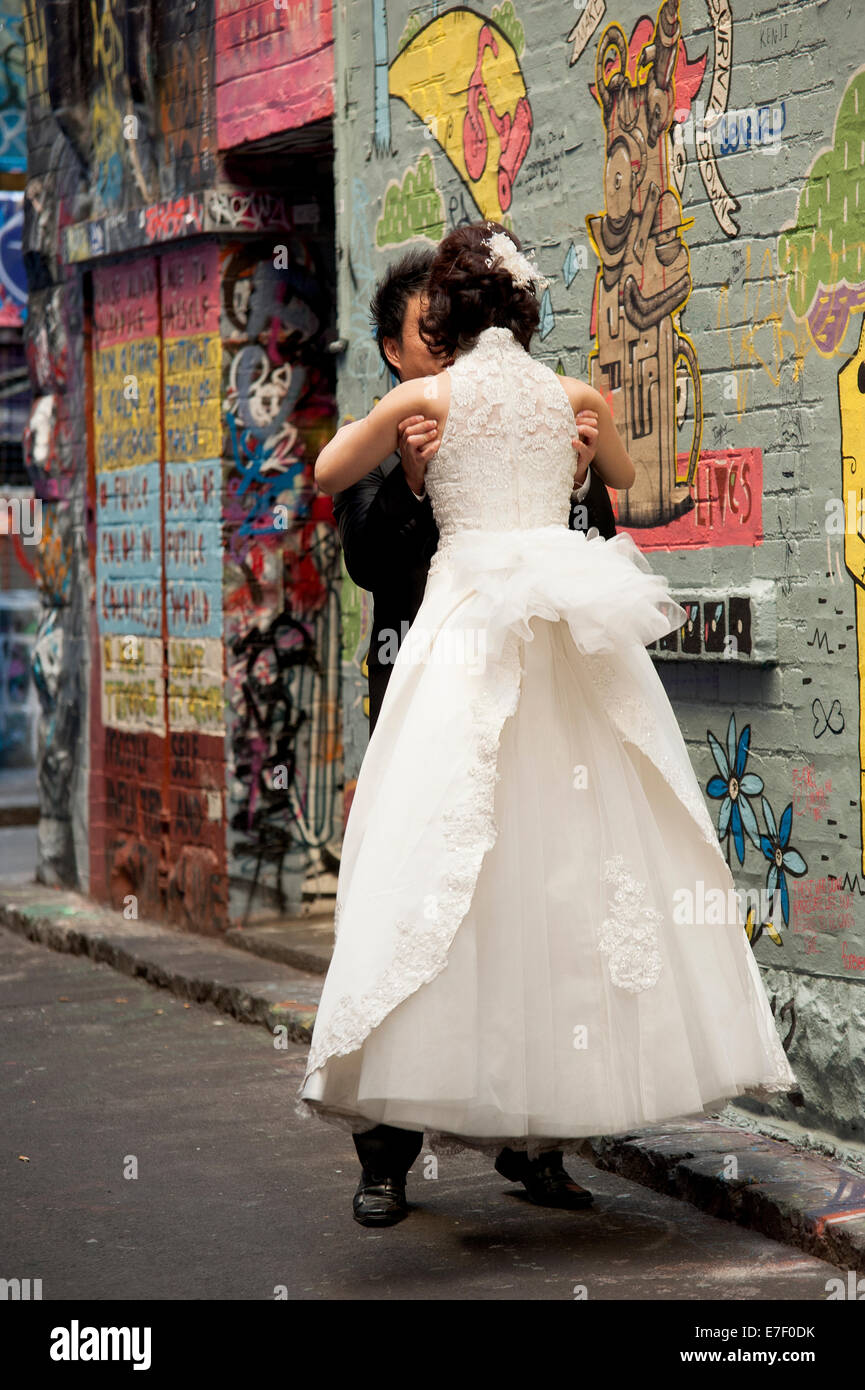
point(388, 1151)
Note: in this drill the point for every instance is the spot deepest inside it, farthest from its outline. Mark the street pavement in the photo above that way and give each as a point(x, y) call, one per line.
point(152, 1152)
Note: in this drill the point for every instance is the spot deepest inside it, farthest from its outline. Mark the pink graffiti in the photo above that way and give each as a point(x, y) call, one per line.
point(514, 133)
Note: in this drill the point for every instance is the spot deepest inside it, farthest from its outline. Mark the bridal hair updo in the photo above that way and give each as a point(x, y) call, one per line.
point(465, 295)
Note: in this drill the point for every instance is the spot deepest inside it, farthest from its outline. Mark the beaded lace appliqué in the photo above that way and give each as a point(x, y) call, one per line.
point(629, 936)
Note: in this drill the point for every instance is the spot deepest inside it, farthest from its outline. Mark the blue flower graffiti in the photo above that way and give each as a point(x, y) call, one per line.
point(782, 858)
point(733, 787)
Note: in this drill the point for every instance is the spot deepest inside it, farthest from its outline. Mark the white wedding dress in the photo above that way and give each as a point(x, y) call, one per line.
point(508, 968)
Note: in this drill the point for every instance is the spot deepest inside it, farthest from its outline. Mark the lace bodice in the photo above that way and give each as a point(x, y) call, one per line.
point(506, 461)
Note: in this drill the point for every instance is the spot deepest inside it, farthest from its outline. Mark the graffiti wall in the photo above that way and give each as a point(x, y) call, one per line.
point(274, 67)
point(698, 212)
point(157, 831)
point(129, 732)
point(19, 600)
point(13, 89)
point(281, 566)
point(187, 659)
point(215, 563)
point(55, 458)
point(191, 518)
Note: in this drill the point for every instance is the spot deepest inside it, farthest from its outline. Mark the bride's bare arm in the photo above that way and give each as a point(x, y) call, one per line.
point(612, 462)
point(358, 447)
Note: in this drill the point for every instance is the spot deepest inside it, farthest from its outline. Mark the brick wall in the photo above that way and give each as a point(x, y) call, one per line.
point(729, 339)
point(183, 302)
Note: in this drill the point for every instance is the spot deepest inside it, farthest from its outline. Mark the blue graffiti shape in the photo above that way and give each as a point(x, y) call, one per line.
point(782, 859)
point(733, 787)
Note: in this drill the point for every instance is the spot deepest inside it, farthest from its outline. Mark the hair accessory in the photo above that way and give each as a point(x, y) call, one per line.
point(522, 270)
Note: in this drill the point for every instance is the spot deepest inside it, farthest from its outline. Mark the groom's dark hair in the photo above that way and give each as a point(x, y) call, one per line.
point(403, 279)
point(467, 295)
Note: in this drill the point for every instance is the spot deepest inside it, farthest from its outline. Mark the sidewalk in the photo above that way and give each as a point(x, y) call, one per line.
point(272, 974)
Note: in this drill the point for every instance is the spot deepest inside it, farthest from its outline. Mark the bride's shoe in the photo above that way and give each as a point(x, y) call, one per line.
point(544, 1178)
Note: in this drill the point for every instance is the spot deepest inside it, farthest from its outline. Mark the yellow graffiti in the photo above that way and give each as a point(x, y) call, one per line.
point(764, 341)
point(195, 684)
point(461, 76)
point(851, 400)
point(198, 707)
point(770, 929)
point(105, 116)
point(132, 697)
point(139, 704)
point(193, 411)
point(126, 405)
point(35, 54)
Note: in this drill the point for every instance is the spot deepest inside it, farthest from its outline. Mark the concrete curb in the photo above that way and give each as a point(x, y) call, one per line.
point(304, 943)
point(192, 967)
point(765, 1184)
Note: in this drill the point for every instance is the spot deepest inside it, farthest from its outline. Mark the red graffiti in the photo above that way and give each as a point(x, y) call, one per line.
point(514, 132)
point(809, 794)
point(21, 556)
point(722, 490)
point(179, 218)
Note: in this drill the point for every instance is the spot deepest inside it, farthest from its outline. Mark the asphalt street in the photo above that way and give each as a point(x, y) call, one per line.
point(151, 1151)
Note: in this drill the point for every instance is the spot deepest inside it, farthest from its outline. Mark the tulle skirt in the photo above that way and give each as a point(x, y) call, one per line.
point(548, 977)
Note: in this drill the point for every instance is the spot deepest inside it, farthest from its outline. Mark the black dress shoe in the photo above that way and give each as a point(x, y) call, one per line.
point(379, 1201)
point(544, 1178)
point(512, 1164)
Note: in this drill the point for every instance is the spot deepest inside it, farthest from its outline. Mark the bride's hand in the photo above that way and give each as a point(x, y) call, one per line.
point(585, 443)
point(418, 441)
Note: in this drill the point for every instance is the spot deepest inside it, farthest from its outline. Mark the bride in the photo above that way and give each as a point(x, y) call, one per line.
point(516, 964)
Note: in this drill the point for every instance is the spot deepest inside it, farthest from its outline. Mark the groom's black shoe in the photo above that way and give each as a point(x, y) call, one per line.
point(544, 1178)
point(379, 1201)
point(386, 1153)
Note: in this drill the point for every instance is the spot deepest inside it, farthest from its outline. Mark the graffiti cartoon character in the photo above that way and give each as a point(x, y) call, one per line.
point(644, 277)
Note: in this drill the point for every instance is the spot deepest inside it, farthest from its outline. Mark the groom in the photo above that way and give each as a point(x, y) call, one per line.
point(389, 536)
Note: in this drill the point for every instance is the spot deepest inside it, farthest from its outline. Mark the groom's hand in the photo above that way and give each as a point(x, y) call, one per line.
point(418, 441)
point(585, 443)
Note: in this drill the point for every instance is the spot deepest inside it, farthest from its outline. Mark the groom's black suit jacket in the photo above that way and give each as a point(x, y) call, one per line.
point(389, 537)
